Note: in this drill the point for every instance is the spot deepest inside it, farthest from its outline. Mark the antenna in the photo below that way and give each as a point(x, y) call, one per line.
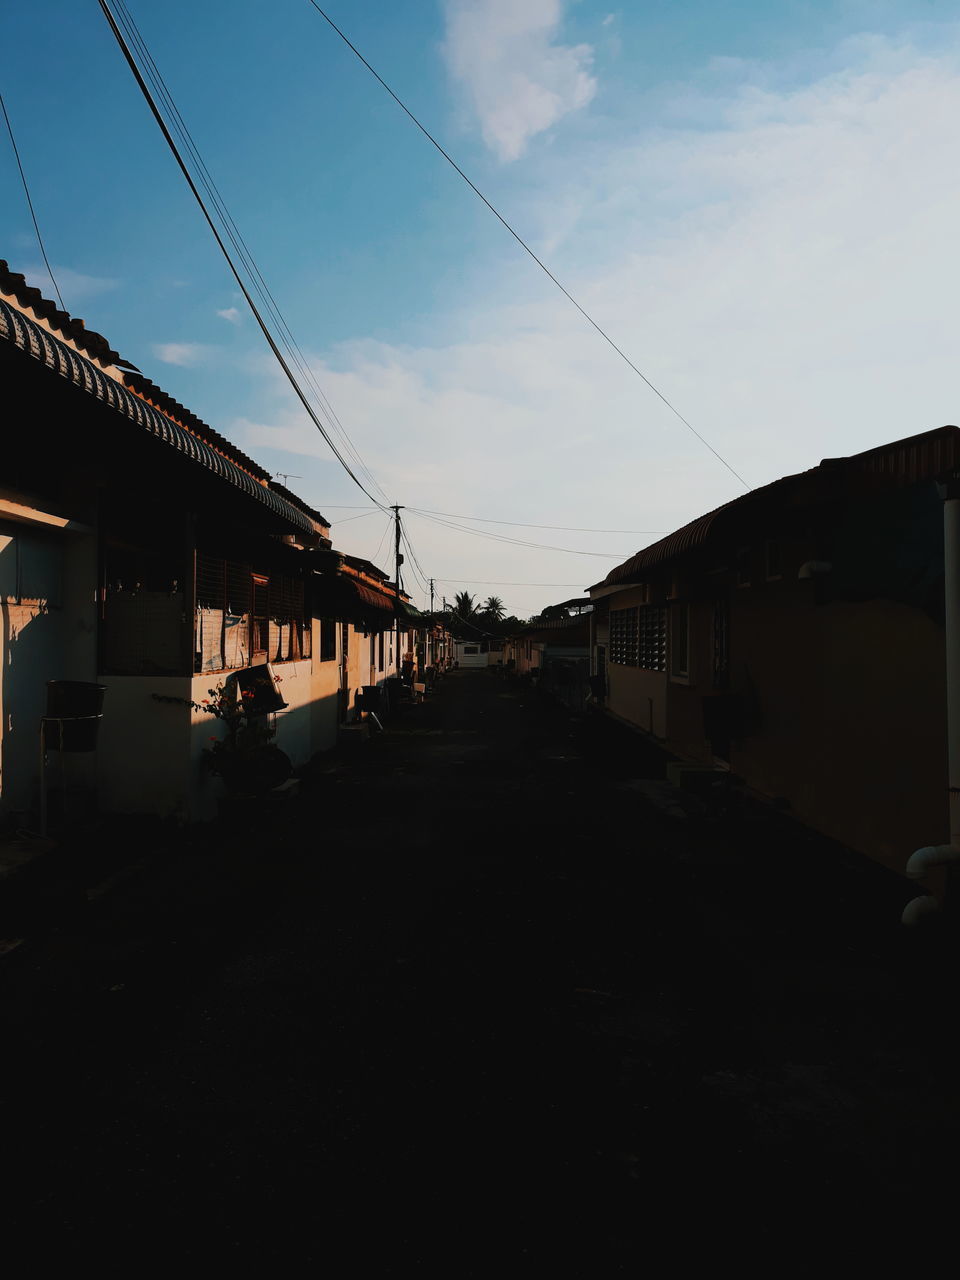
point(286, 475)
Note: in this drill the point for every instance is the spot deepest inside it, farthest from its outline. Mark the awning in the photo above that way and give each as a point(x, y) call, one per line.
point(335, 595)
point(35, 341)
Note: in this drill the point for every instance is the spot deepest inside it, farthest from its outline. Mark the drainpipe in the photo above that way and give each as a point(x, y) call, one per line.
point(926, 859)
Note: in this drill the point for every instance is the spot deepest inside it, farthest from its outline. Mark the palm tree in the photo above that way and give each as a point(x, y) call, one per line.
point(493, 607)
point(464, 604)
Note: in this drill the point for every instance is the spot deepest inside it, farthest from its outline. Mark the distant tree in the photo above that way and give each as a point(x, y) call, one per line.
point(493, 608)
point(464, 604)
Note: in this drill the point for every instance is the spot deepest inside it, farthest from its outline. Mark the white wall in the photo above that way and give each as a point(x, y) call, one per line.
point(50, 634)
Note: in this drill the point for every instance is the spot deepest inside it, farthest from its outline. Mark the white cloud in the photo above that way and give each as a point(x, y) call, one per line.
point(75, 286)
point(230, 314)
point(517, 80)
point(185, 354)
point(785, 275)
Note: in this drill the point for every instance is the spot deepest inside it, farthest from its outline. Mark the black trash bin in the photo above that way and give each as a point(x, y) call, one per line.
point(74, 708)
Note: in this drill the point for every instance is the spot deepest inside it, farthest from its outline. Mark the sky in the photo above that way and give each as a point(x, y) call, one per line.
point(757, 202)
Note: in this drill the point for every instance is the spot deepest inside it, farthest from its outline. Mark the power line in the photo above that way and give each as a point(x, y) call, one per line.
point(489, 582)
point(523, 245)
point(235, 237)
point(387, 528)
point(517, 542)
point(264, 328)
point(26, 192)
point(346, 519)
point(406, 537)
point(522, 524)
point(519, 524)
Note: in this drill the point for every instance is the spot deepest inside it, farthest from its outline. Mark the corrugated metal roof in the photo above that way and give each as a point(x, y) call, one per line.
point(927, 456)
point(48, 350)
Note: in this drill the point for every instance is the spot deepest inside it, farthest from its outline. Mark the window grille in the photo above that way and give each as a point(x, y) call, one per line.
point(244, 617)
point(624, 637)
point(653, 638)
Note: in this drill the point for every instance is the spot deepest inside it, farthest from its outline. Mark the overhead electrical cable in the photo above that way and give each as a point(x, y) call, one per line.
point(517, 542)
point(235, 237)
point(346, 519)
point(264, 327)
point(404, 533)
point(522, 524)
point(523, 245)
point(33, 215)
point(386, 529)
point(490, 582)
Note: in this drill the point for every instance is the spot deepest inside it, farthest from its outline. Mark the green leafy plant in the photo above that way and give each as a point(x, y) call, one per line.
point(248, 732)
point(243, 734)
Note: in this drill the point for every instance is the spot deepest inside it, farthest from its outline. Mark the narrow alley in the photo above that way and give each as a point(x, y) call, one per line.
point(511, 1003)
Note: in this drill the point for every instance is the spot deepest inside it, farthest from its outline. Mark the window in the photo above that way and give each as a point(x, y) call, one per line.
point(624, 637)
point(328, 640)
point(744, 572)
point(380, 654)
point(142, 623)
point(260, 618)
point(653, 638)
point(680, 641)
point(245, 617)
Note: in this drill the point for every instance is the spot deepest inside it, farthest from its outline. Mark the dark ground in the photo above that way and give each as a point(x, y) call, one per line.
point(474, 1003)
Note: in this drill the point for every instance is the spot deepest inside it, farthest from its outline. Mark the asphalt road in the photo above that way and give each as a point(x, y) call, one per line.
point(475, 1002)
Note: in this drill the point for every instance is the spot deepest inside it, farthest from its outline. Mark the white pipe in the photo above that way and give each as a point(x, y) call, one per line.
point(934, 855)
point(917, 908)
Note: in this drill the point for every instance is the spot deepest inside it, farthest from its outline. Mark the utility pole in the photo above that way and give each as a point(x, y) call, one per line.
point(431, 640)
point(398, 561)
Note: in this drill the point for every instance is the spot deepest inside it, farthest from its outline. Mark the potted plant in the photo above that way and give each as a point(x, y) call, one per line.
point(246, 757)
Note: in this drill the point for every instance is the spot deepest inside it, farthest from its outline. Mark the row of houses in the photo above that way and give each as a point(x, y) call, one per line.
point(142, 551)
point(806, 639)
point(803, 640)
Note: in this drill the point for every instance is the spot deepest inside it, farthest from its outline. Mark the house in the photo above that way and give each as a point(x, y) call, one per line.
point(796, 637)
point(141, 550)
point(555, 647)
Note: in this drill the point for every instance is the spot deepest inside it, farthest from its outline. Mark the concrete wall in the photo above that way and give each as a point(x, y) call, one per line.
point(473, 658)
point(148, 759)
point(47, 632)
point(633, 694)
point(325, 695)
point(852, 701)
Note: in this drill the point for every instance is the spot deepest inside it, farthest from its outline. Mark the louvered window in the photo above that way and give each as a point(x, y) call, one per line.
point(245, 617)
point(653, 638)
point(624, 637)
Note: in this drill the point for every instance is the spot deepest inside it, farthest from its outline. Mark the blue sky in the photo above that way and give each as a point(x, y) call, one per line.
point(758, 201)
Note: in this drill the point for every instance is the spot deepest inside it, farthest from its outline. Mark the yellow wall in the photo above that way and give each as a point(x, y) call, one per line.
point(853, 719)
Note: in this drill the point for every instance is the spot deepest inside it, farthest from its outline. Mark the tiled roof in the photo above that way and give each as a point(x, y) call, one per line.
point(36, 343)
point(94, 344)
point(155, 395)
